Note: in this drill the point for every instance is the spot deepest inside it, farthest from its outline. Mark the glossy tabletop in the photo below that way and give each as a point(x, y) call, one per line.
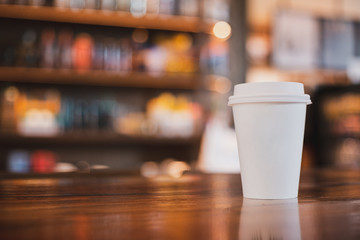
point(195, 206)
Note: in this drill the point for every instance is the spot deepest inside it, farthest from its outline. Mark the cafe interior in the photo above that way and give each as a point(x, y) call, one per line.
point(115, 123)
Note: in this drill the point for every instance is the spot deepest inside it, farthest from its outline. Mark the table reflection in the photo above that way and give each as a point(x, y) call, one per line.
point(269, 219)
point(190, 207)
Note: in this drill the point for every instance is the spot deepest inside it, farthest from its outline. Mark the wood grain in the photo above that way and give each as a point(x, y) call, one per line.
point(195, 206)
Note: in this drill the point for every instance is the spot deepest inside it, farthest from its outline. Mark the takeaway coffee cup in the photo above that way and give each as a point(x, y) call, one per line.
point(269, 122)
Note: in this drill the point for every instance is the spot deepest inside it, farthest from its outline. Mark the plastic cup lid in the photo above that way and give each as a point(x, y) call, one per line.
point(289, 92)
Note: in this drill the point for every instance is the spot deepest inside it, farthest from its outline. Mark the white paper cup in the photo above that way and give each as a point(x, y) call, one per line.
point(269, 122)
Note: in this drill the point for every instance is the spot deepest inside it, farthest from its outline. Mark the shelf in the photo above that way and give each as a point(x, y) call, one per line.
point(94, 140)
point(106, 18)
point(92, 173)
point(99, 78)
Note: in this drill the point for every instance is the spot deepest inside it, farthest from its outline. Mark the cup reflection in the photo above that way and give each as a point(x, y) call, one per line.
point(269, 219)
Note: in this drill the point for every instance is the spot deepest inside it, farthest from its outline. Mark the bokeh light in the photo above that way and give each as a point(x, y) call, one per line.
point(222, 30)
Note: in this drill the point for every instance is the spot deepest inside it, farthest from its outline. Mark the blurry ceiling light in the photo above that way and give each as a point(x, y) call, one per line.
point(138, 8)
point(140, 35)
point(222, 30)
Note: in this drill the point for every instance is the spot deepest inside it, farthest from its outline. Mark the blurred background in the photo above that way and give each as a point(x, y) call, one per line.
point(142, 85)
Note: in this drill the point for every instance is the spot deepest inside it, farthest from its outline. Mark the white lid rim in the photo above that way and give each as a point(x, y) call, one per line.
point(307, 102)
point(271, 99)
point(270, 96)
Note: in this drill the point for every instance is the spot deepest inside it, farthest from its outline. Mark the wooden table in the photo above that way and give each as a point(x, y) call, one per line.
point(195, 206)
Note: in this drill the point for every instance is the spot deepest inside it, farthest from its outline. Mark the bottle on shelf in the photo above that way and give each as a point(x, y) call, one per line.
point(167, 7)
point(27, 54)
point(77, 4)
point(138, 8)
point(109, 5)
point(82, 52)
point(153, 6)
point(123, 5)
point(47, 48)
point(61, 49)
point(64, 50)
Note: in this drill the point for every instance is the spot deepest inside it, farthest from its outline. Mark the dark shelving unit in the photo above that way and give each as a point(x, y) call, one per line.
point(151, 147)
point(100, 78)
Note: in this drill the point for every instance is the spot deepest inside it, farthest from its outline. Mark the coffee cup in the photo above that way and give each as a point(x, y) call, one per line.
point(269, 120)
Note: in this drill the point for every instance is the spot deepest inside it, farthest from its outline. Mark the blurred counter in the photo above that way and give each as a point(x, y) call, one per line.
point(194, 206)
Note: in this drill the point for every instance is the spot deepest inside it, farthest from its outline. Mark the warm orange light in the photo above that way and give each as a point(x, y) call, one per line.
point(222, 30)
